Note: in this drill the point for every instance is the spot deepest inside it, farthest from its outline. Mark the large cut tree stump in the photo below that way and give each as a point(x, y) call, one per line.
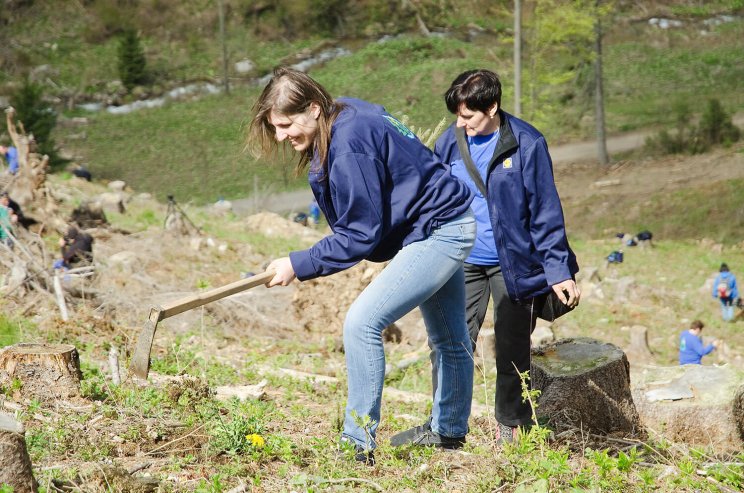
point(699, 405)
point(585, 384)
point(15, 465)
point(46, 371)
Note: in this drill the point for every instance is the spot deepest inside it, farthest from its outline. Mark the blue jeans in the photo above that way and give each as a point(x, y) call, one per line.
point(727, 309)
point(427, 274)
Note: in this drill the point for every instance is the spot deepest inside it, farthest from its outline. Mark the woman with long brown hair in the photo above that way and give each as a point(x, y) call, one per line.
point(386, 198)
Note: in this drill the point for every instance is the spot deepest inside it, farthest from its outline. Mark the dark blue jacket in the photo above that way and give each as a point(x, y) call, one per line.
point(525, 209)
point(383, 190)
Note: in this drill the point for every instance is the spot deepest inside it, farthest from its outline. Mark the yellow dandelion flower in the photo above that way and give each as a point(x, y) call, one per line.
point(256, 440)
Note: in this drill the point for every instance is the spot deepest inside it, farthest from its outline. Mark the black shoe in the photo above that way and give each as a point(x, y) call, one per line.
point(347, 448)
point(423, 435)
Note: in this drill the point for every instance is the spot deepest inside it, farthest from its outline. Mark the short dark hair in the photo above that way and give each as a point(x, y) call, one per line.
point(478, 90)
point(724, 267)
point(697, 324)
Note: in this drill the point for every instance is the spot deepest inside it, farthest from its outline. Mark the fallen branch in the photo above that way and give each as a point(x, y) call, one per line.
point(352, 480)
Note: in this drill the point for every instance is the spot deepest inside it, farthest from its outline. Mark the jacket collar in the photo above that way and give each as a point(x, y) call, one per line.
point(507, 142)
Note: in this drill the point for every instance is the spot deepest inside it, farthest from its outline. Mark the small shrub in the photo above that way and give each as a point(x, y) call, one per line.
point(38, 118)
point(132, 62)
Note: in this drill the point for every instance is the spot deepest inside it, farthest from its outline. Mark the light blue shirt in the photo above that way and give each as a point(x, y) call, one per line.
point(481, 148)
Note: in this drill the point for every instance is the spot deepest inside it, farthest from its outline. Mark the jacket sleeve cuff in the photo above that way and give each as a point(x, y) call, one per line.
point(557, 273)
point(303, 265)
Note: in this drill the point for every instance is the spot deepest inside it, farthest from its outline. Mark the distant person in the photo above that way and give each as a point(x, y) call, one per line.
point(691, 349)
point(10, 154)
point(15, 208)
point(386, 199)
point(521, 256)
point(724, 288)
point(7, 219)
point(77, 249)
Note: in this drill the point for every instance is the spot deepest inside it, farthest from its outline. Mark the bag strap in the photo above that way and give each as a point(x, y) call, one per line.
point(469, 164)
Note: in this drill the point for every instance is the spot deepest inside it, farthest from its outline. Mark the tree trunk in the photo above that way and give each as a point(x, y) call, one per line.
point(46, 371)
point(599, 94)
point(518, 58)
point(585, 383)
point(15, 465)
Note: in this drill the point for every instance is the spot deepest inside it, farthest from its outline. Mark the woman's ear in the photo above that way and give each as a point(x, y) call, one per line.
point(493, 110)
point(315, 110)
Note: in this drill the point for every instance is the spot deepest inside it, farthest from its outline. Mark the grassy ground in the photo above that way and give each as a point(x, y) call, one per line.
point(175, 432)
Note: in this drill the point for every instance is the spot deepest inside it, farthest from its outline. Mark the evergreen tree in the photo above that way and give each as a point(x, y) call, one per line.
point(132, 63)
point(38, 118)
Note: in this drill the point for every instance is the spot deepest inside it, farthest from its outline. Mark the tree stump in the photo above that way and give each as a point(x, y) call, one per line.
point(699, 405)
point(585, 384)
point(738, 410)
point(46, 371)
point(638, 351)
point(15, 465)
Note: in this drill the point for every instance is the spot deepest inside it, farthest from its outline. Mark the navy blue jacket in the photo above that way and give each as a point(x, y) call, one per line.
point(383, 190)
point(524, 207)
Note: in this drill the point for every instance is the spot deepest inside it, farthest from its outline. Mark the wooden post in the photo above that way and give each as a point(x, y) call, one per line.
point(15, 464)
point(46, 371)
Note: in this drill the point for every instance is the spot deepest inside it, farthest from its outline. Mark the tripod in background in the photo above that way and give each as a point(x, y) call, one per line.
point(177, 219)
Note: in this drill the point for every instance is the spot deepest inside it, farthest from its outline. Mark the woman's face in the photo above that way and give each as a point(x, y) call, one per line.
point(476, 122)
point(300, 128)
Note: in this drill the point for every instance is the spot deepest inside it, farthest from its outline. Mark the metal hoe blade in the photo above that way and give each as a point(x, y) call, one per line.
point(140, 364)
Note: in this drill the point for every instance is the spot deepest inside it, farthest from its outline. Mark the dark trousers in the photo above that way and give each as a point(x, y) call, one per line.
point(513, 326)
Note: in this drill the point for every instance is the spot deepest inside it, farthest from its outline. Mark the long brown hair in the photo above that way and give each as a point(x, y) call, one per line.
point(290, 92)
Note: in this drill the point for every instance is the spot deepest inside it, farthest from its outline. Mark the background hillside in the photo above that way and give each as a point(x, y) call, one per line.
point(193, 148)
point(173, 433)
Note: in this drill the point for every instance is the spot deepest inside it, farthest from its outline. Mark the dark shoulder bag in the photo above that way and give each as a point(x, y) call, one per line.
point(546, 306)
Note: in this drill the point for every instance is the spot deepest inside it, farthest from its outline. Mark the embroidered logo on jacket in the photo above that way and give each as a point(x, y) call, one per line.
point(507, 163)
point(399, 127)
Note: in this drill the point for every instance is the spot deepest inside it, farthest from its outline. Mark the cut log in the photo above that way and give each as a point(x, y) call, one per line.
point(585, 384)
point(15, 464)
point(698, 405)
point(46, 371)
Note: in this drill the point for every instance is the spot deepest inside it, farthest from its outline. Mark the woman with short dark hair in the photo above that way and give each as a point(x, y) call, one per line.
point(521, 258)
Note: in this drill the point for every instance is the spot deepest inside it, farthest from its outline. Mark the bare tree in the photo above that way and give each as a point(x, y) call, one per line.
point(517, 57)
point(225, 81)
point(602, 155)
